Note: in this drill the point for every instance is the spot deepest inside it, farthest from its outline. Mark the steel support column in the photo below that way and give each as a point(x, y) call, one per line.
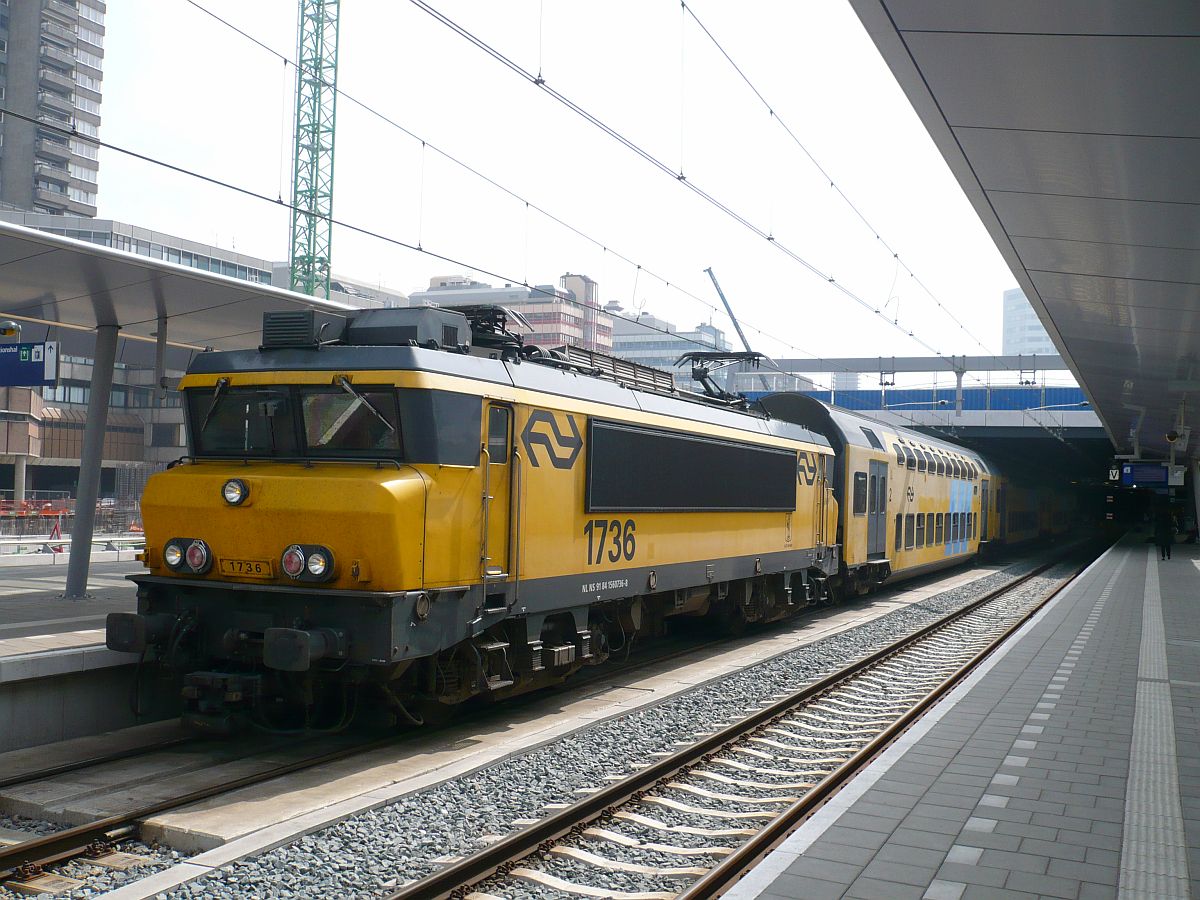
point(89, 462)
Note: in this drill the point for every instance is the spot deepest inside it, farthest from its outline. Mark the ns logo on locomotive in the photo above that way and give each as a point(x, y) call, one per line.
point(409, 508)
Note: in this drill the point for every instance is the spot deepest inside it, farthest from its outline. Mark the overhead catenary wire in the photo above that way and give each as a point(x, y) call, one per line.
point(358, 229)
point(774, 114)
point(528, 204)
point(665, 168)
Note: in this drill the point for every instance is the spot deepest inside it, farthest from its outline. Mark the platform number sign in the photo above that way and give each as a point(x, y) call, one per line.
point(29, 364)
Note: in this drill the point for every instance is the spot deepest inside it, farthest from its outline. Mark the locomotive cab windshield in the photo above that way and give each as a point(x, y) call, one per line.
point(307, 421)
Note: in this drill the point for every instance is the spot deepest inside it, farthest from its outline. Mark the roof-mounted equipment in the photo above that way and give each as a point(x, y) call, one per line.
point(490, 329)
point(300, 328)
point(419, 326)
point(706, 362)
point(601, 365)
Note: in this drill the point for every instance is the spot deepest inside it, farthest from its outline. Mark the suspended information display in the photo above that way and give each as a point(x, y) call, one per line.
point(29, 364)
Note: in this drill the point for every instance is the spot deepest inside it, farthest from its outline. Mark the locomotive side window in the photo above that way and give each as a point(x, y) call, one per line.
point(910, 531)
point(911, 458)
point(860, 493)
point(920, 530)
point(939, 535)
point(497, 439)
point(899, 454)
point(921, 463)
point(941, 466)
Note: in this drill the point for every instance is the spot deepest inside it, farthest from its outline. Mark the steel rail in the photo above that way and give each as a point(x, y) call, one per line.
point(727, 872)
point(62, 845)
point(59, 846)
point(92, 761)
point(457, 879)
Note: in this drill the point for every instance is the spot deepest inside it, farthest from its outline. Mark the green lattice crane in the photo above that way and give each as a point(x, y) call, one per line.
point(312, 159)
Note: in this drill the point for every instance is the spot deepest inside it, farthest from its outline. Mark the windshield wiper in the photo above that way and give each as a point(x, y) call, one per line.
point(349, 389)
point(222, 383)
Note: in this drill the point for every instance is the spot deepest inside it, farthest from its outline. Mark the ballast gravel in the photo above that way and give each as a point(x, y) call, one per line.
point(374, 852)
point(99, 880)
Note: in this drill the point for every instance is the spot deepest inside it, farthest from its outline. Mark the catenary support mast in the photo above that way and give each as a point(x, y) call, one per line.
point(312, 159)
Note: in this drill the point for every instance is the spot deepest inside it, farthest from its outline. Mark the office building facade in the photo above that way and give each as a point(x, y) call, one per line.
point(51, 70)
point(566, 314)
point(1023, 331)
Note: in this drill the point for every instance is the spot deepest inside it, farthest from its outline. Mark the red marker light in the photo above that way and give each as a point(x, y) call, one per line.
point(196, 556)
point(293, 561)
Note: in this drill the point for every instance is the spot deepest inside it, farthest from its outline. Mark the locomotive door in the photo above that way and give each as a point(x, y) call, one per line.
point(877, 511)
point(497, 493)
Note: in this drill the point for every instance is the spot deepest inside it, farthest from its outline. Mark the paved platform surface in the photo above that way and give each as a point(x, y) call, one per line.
point(1068, 767)
point(33, 617)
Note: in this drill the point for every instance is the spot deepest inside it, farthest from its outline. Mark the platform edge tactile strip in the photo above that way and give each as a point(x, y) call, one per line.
point(1153, 844)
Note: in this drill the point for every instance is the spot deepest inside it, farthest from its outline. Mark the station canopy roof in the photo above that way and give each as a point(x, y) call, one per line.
point(46, 279)
point(1074, 129)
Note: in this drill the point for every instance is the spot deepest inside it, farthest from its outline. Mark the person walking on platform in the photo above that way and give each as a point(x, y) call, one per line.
point(1164, 534)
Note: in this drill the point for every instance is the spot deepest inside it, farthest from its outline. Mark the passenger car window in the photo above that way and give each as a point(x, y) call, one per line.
point(860, 493)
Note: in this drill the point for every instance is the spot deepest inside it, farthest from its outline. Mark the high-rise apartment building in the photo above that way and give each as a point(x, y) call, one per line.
point(50, 71)
point(1023, 331)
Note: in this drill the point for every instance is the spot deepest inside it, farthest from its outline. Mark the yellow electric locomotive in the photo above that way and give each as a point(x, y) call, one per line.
point(410, 507)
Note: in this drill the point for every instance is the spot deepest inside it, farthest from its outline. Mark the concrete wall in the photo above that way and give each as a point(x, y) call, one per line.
point(61, 694)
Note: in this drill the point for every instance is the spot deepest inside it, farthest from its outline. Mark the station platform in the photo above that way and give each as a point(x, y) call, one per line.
point(57, 678)
point(1066, 766)
point(33, 613)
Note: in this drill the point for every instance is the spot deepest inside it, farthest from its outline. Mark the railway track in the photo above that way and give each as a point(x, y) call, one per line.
point(27, 861)
point(688, 824)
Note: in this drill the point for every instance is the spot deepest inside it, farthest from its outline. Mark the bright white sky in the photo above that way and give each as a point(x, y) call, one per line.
point(180, 87)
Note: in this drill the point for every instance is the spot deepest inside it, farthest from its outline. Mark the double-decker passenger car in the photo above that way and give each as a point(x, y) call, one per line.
point(908, 503)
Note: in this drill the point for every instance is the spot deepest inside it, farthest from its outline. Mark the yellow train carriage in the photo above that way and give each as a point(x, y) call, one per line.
point(1028, 512)
point(440, 523)
point(908, 503)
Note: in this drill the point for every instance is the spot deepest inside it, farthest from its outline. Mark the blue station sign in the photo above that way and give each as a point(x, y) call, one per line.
point(29, 364)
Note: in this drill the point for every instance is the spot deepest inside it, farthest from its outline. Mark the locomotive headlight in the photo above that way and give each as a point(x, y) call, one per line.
point(293, 561)
point(235, 492)
point(318, 564)
point(173, 555)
